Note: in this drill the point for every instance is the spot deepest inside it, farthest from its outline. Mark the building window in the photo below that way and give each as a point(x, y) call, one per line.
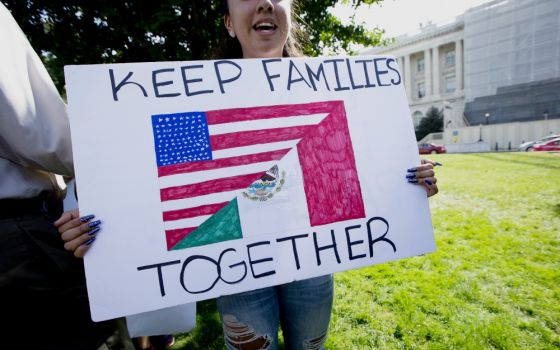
point(416, 118)
point(421, 90)
point(450, 84)
point(450, 59)
point(420, 65)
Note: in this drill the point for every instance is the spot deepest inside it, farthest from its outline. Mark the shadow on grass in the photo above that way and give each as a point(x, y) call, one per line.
point(533, 162)
point(556, 209)
point(208, 331)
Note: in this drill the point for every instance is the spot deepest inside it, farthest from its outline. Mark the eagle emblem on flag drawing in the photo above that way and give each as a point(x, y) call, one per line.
point(264, 188)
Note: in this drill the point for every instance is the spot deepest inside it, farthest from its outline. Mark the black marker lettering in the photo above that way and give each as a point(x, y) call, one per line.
point(159, 272)
point(122, 83)
point(354, 86)
point(292, 81)
point(157, 84)
point(294, 247)
point(186, 81)
point(379, 72)
point(318, 249)
point(389, 61)
point(381, 238)
point(335, 66)
point(317, 76)
point(259, 261)
point(350, 243)
point(268, 76)
point(364, 63)
point(231, 267)
point(221, 81)
point(200, 257)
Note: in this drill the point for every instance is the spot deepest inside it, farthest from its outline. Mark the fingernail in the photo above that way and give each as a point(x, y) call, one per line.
point(94, 223)
point(412, 170)
point(428, 182)
point(413, 181)
point(93, 231)
point(50, 226)
point(90, 241)
point(410, 176)
point(86, 218)
point(438, 164)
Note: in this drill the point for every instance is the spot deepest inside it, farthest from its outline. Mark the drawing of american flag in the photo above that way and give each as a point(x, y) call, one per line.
point(205, 159)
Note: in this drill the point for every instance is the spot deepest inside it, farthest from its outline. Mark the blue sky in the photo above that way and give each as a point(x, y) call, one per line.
point(403, 16)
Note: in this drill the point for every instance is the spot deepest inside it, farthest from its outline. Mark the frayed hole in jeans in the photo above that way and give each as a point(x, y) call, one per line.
point(243, 337)
point(315, 343)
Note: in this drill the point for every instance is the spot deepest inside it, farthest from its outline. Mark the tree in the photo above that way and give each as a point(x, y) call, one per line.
point(103, 31)
point(432, 122)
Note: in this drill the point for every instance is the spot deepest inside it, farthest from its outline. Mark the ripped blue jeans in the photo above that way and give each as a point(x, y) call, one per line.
point(303, 308)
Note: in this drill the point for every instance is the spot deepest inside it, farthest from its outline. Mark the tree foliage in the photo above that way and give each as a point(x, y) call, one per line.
point(102, 31)
point(432, 122)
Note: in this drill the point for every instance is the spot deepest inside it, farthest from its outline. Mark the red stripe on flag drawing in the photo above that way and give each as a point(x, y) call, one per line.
point(267, 112)
point(248, 138)
point(184, 168)
point(330, 178)
point(208, 209)
point(174, 236)
point(211, 186)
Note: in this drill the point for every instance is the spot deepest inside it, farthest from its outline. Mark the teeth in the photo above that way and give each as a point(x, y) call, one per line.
point(265, 25)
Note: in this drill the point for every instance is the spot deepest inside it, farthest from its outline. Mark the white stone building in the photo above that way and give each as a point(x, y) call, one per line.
point(431, 63)
point(495, 69)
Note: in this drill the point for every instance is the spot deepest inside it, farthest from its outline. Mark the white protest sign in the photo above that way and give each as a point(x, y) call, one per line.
point(217, 177)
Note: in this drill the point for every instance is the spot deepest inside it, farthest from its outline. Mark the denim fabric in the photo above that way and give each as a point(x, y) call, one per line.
point(303, 308)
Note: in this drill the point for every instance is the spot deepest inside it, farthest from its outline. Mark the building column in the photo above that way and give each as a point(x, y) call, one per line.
point(407, 77)
point(459, 64)
point(428, 72)
point(435, 59)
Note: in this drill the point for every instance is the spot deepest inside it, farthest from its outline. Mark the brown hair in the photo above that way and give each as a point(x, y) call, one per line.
point(229, 47)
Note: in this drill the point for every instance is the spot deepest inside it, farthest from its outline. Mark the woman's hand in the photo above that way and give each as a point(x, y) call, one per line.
point(424, 175)
point(77, 232)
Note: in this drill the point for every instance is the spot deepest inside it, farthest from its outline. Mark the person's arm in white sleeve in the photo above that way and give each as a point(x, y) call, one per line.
point(34, 128)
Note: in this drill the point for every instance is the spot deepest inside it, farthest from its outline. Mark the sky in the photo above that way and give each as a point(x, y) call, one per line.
point(403, 16)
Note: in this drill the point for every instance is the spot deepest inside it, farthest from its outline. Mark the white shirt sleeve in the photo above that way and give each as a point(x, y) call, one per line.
point(34, 128)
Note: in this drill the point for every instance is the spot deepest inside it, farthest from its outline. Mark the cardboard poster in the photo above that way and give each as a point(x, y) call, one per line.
point(217, 177)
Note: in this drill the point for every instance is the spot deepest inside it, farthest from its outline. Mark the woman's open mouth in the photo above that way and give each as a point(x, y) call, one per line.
point(265, 27)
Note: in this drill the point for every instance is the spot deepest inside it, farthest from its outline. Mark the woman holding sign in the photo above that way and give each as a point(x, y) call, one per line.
point(261, 29)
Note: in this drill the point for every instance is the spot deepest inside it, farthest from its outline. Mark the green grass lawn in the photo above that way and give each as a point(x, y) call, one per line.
point(494, 282)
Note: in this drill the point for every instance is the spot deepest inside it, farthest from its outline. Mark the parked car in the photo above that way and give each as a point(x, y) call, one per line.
point(528, 146)
point(552, 145)
point(427, 148)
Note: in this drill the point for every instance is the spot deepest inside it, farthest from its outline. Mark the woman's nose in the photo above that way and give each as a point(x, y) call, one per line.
point(265, 6)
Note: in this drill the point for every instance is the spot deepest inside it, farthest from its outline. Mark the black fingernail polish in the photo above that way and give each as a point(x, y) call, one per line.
point(428, 182)
point(94, 223)
point(410, 176)
point(413, 181)
point(412, 170)
point(86, 218)
point(94, 231)
point(90, 241)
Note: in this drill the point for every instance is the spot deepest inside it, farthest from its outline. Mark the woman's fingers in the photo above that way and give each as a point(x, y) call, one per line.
point(66, 217)
point(72, 228)
point(82, 249)
point(424, 175)
point(85, 240)
point(77, 232)
point(431, 187)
